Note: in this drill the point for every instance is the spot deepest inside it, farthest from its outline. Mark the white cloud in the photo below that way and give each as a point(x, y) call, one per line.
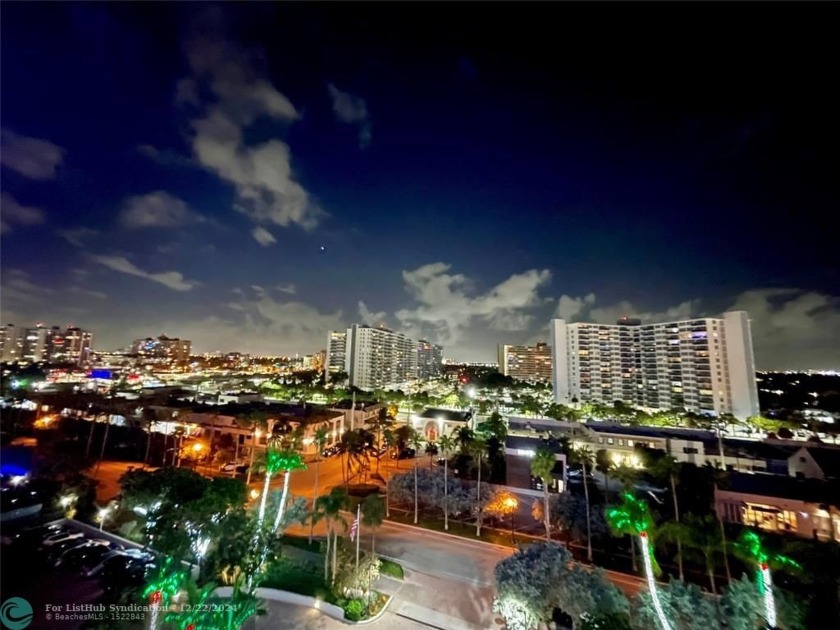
point(165, 157)
point(446, 308)
point(173, 279)
point(366, 316)
point(263, 236)
point(12, 213)
point(570, 307)
point(289, 288)
point(261, 173)
point(157, 209)
point(611, 314)
point(352, 110)
point(99, 295)
point(792, 328)
point(76, 236)
point(31, 157)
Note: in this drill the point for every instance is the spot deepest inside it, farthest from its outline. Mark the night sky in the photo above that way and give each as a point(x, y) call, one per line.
point(251, 176)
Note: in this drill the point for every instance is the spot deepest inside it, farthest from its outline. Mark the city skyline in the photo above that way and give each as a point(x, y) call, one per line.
point(288, 171)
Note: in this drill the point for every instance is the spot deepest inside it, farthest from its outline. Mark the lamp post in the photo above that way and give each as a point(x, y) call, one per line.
point(511, 505)
point(103, 514)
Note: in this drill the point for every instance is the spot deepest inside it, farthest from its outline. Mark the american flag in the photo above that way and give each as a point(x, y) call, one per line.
point(354, 529)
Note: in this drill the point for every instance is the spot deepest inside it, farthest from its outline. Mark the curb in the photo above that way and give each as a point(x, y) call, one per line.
point(376, 617)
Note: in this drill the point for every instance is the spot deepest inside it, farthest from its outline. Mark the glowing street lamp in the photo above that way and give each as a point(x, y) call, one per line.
point(102, 515)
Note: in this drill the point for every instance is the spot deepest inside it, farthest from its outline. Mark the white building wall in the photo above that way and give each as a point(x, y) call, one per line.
point(560, 356)
point(741, 364)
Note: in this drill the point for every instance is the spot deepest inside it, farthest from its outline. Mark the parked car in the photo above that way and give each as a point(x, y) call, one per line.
point(406, 453)
point(84, 556)
point(329, 451)
point(127, 572)
point(118, 557)
point(60, 537)
point(53, 553)
point(234, 467)
point(440, 461)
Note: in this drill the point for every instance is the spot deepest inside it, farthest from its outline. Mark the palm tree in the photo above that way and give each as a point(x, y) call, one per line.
point(477, 448)
point(414, 438)
point(290, 460)
point(382, 423)
point(373, 513)
point(320, 440)
point(447, 444)
point(464, 436)
point(604, 465)
point(542, 464)
point(633, 517)
point(751, 549)
point(329, 507)
point(496, 426)
point(431, 451)
point(668, 467)
point(272, 463)
point(583, 456)
point(626, 476)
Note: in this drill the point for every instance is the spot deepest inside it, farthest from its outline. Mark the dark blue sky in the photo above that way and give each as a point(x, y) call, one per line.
point(250, 176)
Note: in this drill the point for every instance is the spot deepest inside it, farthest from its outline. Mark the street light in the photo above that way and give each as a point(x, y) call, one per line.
point(511, 505)
point(102, 515)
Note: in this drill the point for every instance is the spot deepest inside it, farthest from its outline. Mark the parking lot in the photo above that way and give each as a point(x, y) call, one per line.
point(70, 574)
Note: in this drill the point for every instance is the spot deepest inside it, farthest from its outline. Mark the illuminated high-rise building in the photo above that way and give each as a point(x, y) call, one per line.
point(526, 363)
point(702, 365)
point(336, 353)
point(379, 358)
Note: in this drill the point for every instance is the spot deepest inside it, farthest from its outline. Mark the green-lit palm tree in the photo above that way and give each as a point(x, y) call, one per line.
point(542, 464)
point(633, 517)
point(290, 461)
point(751, 549)
point(447, 444)
point(584, 457)
point(272, 463)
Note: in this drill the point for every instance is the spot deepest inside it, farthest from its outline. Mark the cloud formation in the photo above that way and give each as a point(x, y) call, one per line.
point(172, 279)
point(157, 209)
point(263, 236)
point(12, 213)
point(76, 236)
point(31, 157)
point(261, 173)
point(352, 110)
point(289, 288)
point(446, 306)
point(366, 316)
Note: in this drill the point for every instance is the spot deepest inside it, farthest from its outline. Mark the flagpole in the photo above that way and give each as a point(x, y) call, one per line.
point(358, 532)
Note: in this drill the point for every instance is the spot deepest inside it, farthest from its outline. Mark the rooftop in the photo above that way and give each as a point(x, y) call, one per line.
point(810, 490)
point(450, 415)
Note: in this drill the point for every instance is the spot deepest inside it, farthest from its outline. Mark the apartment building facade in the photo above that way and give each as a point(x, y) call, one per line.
point(336, 353)
point(703, 365)
point(526, 363)
point(378, 357)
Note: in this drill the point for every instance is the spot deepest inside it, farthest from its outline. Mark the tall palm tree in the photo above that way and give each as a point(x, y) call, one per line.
point(329, 507)
point(751, 549)
point(477, 449)
point(272, 464)
point(542, 464)
point(633, 517)
point(320, 440)
point(583, 456)
point(290, 461)
point(431, 451)
point(626, 476)
point(604, 465)
point(464, 436)
point(668, 467)
point(447, 444)
point(373, 513)
point(415, 440)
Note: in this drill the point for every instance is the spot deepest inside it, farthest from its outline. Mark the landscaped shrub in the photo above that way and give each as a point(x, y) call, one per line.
point(354, 609)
